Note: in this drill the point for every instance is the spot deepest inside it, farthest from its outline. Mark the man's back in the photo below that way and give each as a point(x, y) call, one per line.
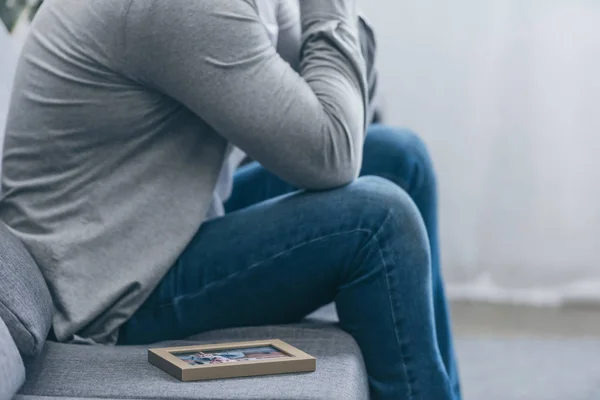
point(85, 146)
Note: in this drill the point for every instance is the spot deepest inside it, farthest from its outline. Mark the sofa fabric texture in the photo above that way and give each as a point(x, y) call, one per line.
point(25, 302)
point(12, 370)
point(66, 370)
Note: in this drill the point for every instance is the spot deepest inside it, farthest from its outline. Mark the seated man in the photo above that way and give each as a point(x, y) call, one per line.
point(118, 156)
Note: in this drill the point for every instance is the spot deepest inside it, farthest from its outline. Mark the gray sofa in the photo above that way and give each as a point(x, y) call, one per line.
point(32, 368)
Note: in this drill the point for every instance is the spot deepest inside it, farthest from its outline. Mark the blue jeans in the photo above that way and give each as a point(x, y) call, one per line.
point(279, 254)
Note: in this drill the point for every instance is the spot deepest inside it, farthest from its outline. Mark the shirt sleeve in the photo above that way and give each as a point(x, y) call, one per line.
point(215, 57)
point(369, 49)
point(288, 45)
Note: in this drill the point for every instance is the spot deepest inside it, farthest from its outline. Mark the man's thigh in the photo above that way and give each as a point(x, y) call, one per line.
point(270, 263)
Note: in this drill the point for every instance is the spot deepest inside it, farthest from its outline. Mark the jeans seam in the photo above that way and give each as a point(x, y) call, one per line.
point(252, 266)
point(394, 318)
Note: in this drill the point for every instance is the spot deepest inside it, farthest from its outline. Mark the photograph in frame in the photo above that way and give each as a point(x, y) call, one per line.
point(231, 360)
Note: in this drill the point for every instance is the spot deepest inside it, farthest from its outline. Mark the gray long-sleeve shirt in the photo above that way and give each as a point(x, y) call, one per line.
point(119, 124)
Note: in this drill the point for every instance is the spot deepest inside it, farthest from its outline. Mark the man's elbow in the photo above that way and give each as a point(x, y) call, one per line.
point(335, 158)
point(333, 176)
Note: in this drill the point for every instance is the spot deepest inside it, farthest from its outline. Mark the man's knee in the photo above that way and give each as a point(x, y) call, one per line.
point(368, 204)
point(399, 155)
point(392, 217)
point(377, 197)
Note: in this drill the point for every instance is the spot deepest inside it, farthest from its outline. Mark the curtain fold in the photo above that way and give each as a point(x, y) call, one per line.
point(507, 95)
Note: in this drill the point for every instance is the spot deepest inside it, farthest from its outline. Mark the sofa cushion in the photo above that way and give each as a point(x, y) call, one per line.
point(25, 302)
point(65, 370)
point(12, 370)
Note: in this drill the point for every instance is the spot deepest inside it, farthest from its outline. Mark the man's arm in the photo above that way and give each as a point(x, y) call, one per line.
point(288, 45)
point(369, 50)
point(215, 58)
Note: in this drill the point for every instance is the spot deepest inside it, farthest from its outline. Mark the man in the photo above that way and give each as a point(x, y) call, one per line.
point(122, 122)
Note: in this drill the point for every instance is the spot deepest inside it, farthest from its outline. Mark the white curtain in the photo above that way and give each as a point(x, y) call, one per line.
point(507, 95)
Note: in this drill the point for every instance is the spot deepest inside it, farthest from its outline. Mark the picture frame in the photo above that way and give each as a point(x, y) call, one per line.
point(231, 360)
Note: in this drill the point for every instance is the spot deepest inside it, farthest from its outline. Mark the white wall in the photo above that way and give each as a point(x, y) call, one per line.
point(507, 95)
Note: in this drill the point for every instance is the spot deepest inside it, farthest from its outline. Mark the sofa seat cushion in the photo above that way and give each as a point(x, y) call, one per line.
point(25, 302)
point(64, 370)
point(12, 370)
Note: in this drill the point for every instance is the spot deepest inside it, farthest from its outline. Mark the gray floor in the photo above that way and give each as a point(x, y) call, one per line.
point(523, 353)
point(486, 320)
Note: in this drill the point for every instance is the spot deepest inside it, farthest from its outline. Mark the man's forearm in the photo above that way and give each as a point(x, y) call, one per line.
point(288, 46)
point(369, 49)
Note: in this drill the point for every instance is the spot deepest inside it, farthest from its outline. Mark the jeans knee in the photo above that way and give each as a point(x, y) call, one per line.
point(396, 233)
point(380, 200)
point(399, 155)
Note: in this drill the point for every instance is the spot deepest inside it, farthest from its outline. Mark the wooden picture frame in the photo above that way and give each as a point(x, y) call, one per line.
point(220, 361)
